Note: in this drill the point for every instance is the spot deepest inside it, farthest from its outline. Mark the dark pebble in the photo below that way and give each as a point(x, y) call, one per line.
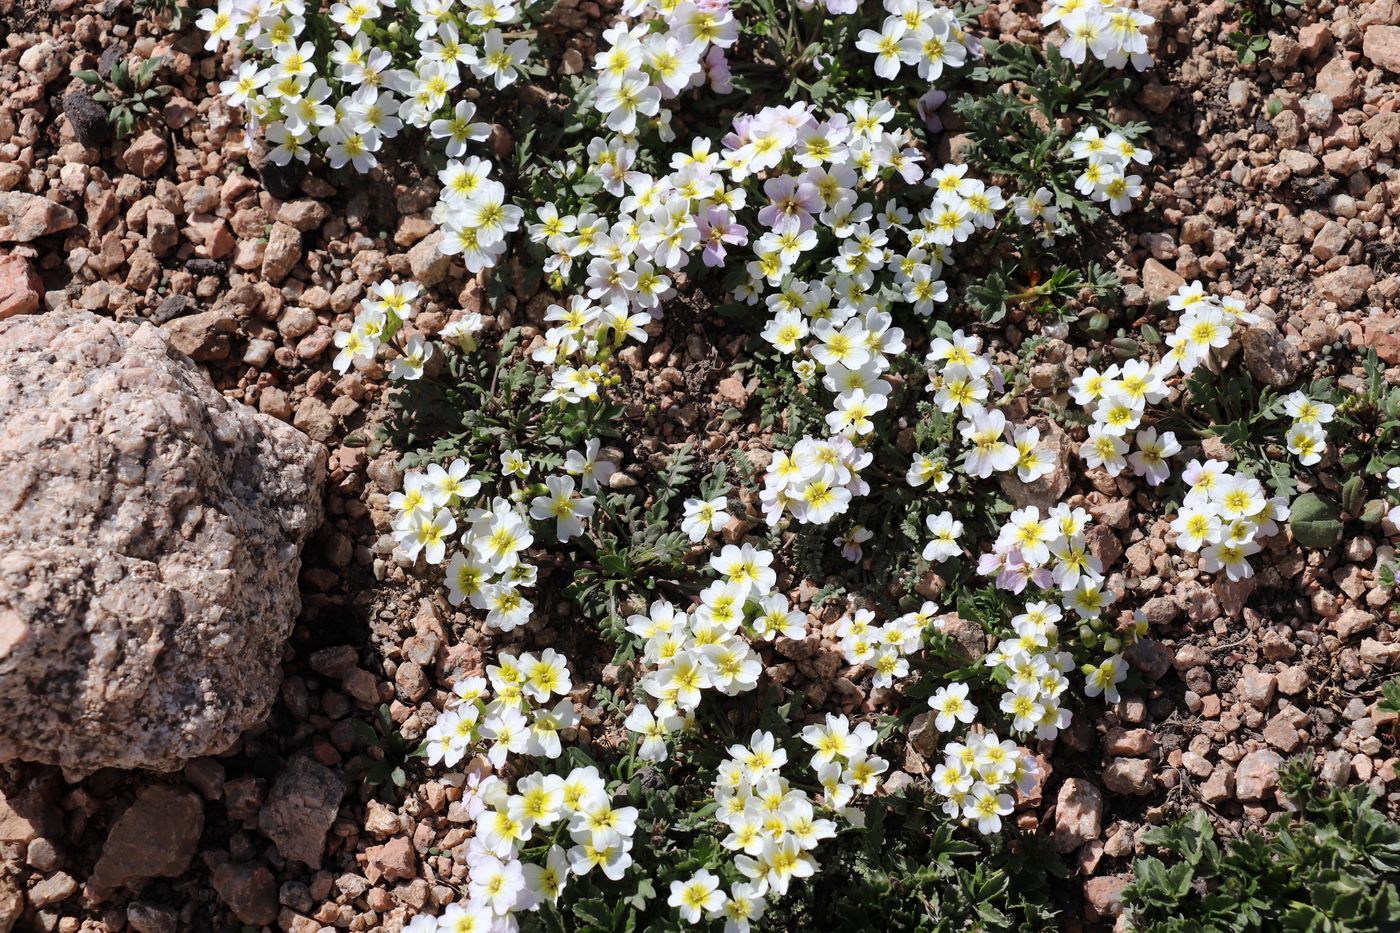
point(88, 118)
point(172, 307)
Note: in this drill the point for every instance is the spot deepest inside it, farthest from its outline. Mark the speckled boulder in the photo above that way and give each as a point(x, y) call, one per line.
point(152, 536)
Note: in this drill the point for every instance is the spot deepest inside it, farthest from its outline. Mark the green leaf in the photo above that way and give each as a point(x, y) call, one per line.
point(1354, 495)
point(1315, 522)
point(89, 77)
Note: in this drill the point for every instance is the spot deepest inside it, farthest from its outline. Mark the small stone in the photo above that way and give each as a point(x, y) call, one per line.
point(394, 859)
point(1293, 680)
point(1269, 357)
point(21, 289)
point(1129, 776)
point(731, 391)
point(1379, 654)
point(1347, 286)
point(1237, 94)
point(155, 838)
point(1134, 742)
point(53, 889)
point(1078, 814)
point(1314, 38)
point(249, 891)
point(1257, 688)
point(1339, 81)
point(1298, 162)
point(1330, 241)
point(1150, 657)
point(296, 322)
point(151, 918)
point(300, 810)
point(1159, 282)
point(427, 262)
point(171, 307)
point(282, 253)
point(43, 61)
point(22, 817)
point(1282, 733)
point(304, 214)
point(25, 217)
point(1105, 896)
point(203, 336)
point(1382, 46)
point(88, 119)
point(206, 775)
point(1352, 622)
point(1220, 786)
point(147, 154)
point(1257, 774)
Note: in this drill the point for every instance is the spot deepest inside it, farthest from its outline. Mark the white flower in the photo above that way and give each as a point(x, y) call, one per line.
point(500, 61)
point(953, 707)
point(946, 530)
point(562, 506)
point(1306, 440)
point(702, 517)
point(696, 897)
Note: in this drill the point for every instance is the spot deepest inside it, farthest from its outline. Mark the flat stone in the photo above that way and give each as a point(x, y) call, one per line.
point(204, 336)
point(25, 217)
point(300, 810)
point(1129, 776)
point(1105, 896)
point(1269, 357)
point(1159, 282)
point(1382, 46)
point(249, 891)
point(1338, 80)
point(1078, 814)
point(21, 289)
point(155, 838)
point(1257, 775)
point(147, 154)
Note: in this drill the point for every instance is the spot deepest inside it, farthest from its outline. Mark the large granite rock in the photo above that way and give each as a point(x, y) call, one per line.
point(153, 532)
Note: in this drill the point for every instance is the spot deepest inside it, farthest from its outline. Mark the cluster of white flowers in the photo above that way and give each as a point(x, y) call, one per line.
point(641, 65)
point(772, 830)
point(1224, 516)
point(1035, 671)
point(378, 321)
point(509, 723)
point(487, 570)
point(706, 648)
point(1107, 160)
point(473, 212)
point(500, 883)
point(1118, 398)
point(962, 378)
point(886, 647)
point(921, 34)
point(1051, 553)
point(366, 95)
point(423, 518)
point(976, 777)
point(1205, 324)
point(519, 720)
point(772, 827)
point(1307, 438)
point(815, 482)
point(1113, 33)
